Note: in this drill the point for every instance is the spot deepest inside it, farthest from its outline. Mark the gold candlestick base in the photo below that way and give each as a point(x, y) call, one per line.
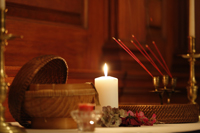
point(192, 93)
point(8, 128)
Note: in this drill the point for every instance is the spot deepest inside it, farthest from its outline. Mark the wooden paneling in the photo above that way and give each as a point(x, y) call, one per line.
point(154, 9)
point(70, 12)
point(45, 34)
point(197, 26)
point(61, 5)
point(132, 19)
point(45, 38)
point(47, 29)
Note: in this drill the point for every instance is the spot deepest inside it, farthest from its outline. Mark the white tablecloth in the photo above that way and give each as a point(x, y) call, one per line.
point(156, 128)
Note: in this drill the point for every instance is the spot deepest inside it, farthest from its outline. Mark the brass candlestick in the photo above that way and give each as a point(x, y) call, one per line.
point(191, 56)
point(5, 127)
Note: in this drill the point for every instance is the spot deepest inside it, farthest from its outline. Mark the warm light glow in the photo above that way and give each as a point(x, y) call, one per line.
point(91, 122)
point(105, 70)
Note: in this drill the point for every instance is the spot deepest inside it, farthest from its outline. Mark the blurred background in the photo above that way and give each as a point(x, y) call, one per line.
point(81, 31)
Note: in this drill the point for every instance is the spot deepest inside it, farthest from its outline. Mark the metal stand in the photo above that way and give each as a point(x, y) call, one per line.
point(165, 89)
point(191, 56)
point(5, 127)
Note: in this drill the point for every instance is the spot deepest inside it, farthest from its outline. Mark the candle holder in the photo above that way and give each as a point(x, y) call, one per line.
point(165, 89)
point(191, 56)
point(86, 120)
point(5, 127)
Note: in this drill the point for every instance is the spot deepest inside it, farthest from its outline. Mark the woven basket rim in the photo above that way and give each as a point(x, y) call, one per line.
point(58, 93)
point(169, 113)
point(58, 86)
point(167, 105)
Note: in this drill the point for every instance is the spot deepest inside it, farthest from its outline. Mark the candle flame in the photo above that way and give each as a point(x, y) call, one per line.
point(91, 122)
point(105, 70)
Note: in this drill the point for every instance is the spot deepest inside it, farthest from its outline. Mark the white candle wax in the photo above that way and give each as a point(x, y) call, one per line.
point(192, 18)
point(2, 4)
point(107, 87)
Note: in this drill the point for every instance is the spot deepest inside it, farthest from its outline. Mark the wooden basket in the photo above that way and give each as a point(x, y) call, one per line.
point(46, 69)
point(172, 113)
point(50, 104)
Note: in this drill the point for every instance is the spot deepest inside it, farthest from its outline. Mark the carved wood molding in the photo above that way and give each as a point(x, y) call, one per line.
point(78, 17)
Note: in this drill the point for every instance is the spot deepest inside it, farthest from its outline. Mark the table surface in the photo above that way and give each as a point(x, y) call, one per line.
point(156, 128)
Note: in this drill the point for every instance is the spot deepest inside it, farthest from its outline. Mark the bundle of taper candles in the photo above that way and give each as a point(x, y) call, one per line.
point(160, 91)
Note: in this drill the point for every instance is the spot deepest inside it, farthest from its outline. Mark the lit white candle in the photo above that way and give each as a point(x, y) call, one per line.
point(192, 18)
point(2, 4)
point(107, 88)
